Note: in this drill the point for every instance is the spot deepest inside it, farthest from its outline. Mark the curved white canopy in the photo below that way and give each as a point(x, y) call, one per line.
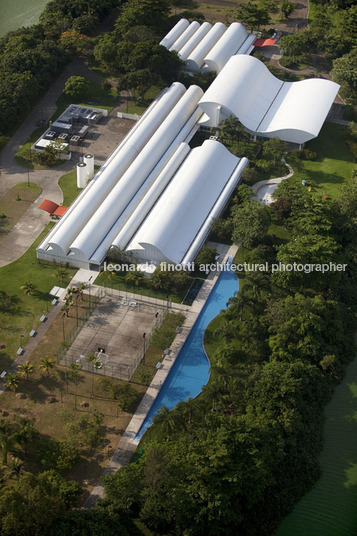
point(293, 111)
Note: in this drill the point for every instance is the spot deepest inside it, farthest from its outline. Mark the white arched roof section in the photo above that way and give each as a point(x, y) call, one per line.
point(174, 33)
point(115, 203)
point(247, 46)
point(293, 111)
point(194, 41)
point(228, 45)
point(215, 212)
point(196, 59)
point(142, 210)
point(44, 245)
point(300, 107)
point(185, 36)
point(77, 216)
point(179, 214)
point(244, 88)
point(144, 196)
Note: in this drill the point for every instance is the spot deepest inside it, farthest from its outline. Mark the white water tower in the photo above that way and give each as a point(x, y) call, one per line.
point(82, 174)
point(89, 160)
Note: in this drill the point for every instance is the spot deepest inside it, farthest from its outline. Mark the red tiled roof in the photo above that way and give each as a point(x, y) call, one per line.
point(48, 206)
point(264, 42)
point(59, 211)
point(52, 208)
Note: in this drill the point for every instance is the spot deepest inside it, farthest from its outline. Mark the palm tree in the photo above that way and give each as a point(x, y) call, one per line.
point(12, 381)
point(166, 421)
point(225, 374)
point(47, 364)
point(189, 409)
point(74, 375)
point(134, 277)
point(25, 369)
point(29, 287)
point(232, 129)
point(159, 279)
point(7, 440)
point(60, 273)
point(239, 303)
point(67, 304)
point(256, 282)
point(24, 431)
point(226, 331)
point(214, 393)
point(81, 289)
point(15, 467)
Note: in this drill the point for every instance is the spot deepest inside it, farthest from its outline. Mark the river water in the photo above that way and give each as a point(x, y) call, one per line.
point(17, 13)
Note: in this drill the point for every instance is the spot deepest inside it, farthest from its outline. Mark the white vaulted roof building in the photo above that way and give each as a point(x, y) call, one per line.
point(129, 192)
point(155, 196)
point(206, 47)
point(265, 105)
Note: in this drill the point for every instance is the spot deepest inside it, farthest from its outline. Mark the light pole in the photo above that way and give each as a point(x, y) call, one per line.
point(64, 335)
point(144, 337)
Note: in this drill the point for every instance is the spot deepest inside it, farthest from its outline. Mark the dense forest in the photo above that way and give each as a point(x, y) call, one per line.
point(31, 58)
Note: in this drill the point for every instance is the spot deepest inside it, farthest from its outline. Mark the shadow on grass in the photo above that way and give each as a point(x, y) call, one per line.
point(5, 361)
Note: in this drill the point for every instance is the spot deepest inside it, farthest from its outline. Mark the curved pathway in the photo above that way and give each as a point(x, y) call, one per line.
point(264, 194)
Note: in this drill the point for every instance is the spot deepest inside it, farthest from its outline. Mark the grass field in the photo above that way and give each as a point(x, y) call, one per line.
point(139, 106)
point(27, 310)
point(329, 509)
point(334, 164)
point(51, 418)
point(15, 203)
point(117, 281)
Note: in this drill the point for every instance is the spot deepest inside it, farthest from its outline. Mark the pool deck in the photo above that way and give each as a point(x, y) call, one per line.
point(128, 444)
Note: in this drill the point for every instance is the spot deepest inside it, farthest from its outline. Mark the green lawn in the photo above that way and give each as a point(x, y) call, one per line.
point(116, 280)
point(140, 105)
point(15, 203)
point(334, 164)
point(27, 309)
point(329, 509)
point(68, 185)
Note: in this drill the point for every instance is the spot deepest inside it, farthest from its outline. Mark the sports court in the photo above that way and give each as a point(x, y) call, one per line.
point(115, 333)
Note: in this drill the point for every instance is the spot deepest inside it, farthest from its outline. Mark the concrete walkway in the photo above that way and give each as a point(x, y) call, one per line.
point(128, 444)
point(33, 342)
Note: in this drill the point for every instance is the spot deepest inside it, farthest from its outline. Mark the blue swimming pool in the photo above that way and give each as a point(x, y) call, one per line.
point(190, 371)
